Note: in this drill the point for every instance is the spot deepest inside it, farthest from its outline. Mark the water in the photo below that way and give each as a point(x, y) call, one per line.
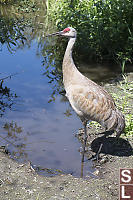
point(33, 127)
point(46, 135)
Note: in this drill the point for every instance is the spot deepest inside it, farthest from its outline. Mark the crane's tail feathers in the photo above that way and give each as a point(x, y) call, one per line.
point(121, 123)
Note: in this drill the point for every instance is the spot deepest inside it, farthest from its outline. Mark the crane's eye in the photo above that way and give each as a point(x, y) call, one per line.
point(66, 30)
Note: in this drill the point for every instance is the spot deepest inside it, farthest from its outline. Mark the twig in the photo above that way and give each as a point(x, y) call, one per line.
point(9, 76)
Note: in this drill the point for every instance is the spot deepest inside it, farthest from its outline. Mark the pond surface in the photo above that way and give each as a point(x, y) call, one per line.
point(36, 130)
point(34, 127)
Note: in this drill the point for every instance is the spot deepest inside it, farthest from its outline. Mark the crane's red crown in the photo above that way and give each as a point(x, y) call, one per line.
point(66, 30)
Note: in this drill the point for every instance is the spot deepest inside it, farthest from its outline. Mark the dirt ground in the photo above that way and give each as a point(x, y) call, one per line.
point(21, 182)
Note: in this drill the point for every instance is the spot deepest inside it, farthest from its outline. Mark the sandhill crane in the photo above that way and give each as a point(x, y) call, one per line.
point(89, 100)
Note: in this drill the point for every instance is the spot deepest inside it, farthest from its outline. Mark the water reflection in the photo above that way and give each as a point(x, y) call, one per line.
point(7, 98)
point(15, 139)
point(47, 138)
point(21, 23)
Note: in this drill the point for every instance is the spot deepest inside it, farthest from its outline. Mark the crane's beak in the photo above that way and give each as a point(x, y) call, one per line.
point(53, 34)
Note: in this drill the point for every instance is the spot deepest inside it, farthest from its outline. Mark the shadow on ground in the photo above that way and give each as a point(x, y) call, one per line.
point(111, 146)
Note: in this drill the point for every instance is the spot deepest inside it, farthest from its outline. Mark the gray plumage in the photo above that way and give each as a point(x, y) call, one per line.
point(89, 100)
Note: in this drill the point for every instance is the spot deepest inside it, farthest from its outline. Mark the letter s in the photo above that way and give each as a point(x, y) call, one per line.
point(126, 173)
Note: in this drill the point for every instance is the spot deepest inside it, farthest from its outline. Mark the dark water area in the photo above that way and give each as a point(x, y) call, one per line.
point(37, 123)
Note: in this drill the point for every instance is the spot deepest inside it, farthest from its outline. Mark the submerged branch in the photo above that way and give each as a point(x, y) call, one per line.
point(2, 79)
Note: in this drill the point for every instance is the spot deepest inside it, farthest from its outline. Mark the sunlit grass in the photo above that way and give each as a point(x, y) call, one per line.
point(124, 101)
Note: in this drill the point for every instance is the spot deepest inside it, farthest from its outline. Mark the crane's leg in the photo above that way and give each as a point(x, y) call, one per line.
point(85, 139)
point(96, 157)
point(116, 141)
point(85, 133)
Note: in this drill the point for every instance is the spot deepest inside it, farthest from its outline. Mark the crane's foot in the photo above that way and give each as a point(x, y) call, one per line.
point(96, 156)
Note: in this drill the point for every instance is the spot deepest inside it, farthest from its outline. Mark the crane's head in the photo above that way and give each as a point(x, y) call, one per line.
point(67, 32)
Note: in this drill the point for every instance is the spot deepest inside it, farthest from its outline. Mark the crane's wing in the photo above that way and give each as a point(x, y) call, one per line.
point(91, 103)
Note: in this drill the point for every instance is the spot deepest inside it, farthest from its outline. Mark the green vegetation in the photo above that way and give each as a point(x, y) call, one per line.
point(5, 1)
point(124, 100)
point(16, 1)
point(105, 27)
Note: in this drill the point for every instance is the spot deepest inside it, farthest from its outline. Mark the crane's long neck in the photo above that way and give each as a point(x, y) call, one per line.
point(69, 68)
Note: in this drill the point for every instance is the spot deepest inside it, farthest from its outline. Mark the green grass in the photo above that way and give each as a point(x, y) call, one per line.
point(124, 100)
point(129, 125)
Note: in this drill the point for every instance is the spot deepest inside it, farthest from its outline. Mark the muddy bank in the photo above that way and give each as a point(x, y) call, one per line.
point(21, 182)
